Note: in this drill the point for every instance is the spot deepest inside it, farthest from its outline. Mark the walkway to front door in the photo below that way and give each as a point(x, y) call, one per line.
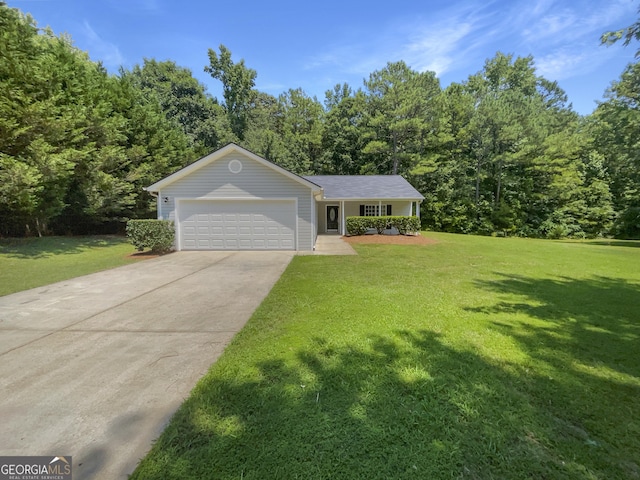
point(332, 244)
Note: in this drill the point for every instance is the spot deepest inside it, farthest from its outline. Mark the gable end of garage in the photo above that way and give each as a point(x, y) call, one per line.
point(239, 203)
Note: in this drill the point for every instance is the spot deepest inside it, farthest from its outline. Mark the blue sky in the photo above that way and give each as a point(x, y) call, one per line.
point(314, 45)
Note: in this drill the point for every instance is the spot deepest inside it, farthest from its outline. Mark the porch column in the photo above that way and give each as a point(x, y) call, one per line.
point(380, 208)
point(343, 224)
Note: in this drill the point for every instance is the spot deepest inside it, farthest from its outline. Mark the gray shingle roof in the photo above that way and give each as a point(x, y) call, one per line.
point(379, 187)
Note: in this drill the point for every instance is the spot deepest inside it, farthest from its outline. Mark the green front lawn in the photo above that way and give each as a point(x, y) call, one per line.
point(33, 262)
point(473, 358)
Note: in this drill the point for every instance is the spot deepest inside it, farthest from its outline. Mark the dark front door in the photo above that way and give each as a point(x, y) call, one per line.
point(332, 218)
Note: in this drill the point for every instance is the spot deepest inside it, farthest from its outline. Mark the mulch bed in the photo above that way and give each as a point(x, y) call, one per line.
point(391, 239)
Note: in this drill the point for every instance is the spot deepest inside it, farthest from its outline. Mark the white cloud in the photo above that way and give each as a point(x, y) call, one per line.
point(459, 37)
point(570, 62)
point(434, 44)
point(574, 21)
point(552, 28)
point(564, 39)
point(540, 7)
point(562, 35)
point(561, 64)
point(612, 13)
point(101, 49)
point(435, 49)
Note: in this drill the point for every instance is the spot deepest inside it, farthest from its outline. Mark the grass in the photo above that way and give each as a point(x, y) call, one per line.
point(474, 358)
point(32, 262)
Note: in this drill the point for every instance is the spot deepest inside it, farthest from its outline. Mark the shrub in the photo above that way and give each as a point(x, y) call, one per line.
point(156, 235)
point(404, 225)
point(380, 224)
point(357, 225)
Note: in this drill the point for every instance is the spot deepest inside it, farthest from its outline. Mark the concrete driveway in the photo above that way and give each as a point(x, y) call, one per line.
point(94, 367)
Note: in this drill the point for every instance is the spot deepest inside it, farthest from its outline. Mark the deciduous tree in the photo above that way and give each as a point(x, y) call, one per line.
point(238, 82)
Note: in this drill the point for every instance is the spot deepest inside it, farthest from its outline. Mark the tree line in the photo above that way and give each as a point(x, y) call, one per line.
point(500, 153)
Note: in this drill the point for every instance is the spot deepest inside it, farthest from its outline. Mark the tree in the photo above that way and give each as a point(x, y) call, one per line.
point(300, 125)
point(344, 133)
point(263, 134)
point(37, 78)
point(615, 126)
point(184, 101)
point(445, 174)
point(76, 144)
point(238, 84)
point(400, 116)
point(573, 198)
point(632, 32)
point(508, 155)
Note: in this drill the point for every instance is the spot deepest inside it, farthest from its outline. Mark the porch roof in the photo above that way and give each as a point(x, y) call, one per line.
point(379, 187)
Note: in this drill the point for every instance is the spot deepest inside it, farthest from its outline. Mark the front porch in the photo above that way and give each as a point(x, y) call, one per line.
point(332, 215)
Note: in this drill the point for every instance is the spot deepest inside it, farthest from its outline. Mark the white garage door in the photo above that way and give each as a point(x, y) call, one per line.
point(237, 224)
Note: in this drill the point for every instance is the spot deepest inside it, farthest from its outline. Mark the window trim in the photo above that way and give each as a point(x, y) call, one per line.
point(375, 210)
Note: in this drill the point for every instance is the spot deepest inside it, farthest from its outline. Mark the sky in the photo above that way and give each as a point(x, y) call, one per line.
point(316, 45)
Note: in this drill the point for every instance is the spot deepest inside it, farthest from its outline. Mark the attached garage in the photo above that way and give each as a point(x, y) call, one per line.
point(240, 224)
point(233, 199)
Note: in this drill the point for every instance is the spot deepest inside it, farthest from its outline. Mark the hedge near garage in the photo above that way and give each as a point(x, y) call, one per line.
point(156, 235)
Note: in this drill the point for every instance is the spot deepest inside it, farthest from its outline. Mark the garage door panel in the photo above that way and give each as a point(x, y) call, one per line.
point(237, 225)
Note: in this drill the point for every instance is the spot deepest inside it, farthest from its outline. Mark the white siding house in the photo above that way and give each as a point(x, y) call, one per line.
point(233, 199)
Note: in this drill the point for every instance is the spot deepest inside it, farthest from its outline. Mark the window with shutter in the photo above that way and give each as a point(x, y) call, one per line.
point(374, 210)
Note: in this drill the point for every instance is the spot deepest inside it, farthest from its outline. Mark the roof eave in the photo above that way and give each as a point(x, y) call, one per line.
point(363, 199)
